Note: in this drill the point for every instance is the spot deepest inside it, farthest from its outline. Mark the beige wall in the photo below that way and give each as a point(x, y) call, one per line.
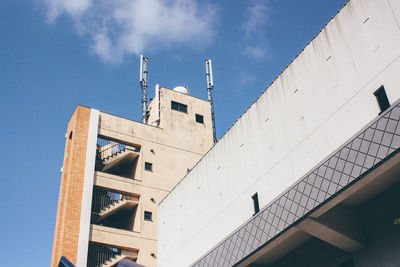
point(173, 147)
point(182, 128)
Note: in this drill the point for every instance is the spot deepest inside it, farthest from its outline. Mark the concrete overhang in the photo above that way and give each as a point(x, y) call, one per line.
point(319, 222)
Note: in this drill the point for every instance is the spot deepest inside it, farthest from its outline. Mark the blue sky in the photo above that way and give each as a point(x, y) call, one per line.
point(55, 54)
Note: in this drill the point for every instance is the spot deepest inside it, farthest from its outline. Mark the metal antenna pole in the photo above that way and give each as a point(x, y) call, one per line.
point(210, 86)
point(143, 84)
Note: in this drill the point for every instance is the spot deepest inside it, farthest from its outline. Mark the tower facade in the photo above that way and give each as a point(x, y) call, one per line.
point(116, 171)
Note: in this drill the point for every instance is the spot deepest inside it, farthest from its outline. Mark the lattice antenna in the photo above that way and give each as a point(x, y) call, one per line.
point(143, 85)
point(210, 86)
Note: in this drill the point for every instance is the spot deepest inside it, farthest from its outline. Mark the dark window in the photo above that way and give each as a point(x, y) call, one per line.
point(199, 118)
point(148, 166)
point(382, 99)
point(255, 203)
point(148, 216)
point(178, 106)
point(70, 135)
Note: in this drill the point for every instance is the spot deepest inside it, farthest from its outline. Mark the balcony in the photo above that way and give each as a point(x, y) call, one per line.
point(113, 209)
point(116, 158)
point(100, 255)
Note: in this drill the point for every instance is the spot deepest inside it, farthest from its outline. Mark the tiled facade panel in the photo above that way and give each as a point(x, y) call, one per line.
point(377, 141)
point(69, 203)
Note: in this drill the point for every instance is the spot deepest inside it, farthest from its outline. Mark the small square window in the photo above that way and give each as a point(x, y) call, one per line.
point(148, 166)
point(199, 118)
point(148, 216)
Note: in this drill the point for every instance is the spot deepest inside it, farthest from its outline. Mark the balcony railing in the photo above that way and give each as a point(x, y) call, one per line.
point(104, 198)
point(99, 254)
point(107, 148)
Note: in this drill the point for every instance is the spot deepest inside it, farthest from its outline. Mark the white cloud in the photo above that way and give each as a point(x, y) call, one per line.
point(245, 78)
point(72, 7)
point(256, 17)
point(122, 27)
point(255, 52)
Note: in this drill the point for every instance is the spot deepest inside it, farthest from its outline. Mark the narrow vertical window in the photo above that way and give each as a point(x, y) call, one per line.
point(255, 203)
point(382, 99)
point(148, 216)
point(148, 166)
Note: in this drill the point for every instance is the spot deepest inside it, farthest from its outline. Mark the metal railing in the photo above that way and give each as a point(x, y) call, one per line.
point(99, 254)
point(104, 198)
point(107, 148)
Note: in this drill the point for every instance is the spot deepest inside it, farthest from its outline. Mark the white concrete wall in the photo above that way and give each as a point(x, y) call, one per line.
point(84, 227)
point(323, 97)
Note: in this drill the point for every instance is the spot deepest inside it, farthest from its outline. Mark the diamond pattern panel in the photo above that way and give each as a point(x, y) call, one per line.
point(374, 143)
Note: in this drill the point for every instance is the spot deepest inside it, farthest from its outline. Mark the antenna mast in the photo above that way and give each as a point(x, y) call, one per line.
point(143, 84)
point(210, 86)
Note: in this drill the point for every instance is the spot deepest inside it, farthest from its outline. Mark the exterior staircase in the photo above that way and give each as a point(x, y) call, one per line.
point(113, 155)
point(117, 155)
point(106, 256)
point(115, 206)
point(115, 259)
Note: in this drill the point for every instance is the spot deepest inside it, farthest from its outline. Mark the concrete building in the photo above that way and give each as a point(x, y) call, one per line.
point(116, 171)
point(309, 175)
